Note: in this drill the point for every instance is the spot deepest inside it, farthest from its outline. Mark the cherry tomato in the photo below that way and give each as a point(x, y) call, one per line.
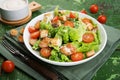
point(88, 37)
point(83, 11)
point(94, 8)
point(45, 52)
point(77, 56)
point(35, 35)
point(69, 23)
point(72, 15)
point(102, 19)
point(55, 19)
point(8, 66)
point(32, 29)
point(86, 20)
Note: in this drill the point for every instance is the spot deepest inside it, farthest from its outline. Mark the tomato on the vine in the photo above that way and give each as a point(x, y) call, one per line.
point(94, 8)
point(102, 19)
point(8, 66)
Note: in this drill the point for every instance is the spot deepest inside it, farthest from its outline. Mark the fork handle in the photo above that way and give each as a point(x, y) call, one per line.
point(38, 67)
point(42, 69)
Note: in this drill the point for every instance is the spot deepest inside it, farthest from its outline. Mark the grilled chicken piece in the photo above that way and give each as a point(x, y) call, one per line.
point(44, 42)
point(55, 42)
point(68, 49)
point(90, 53)
point(32, 41)
point(43, 33)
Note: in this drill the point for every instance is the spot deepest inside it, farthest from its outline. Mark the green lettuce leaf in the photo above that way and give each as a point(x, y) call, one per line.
point(56, 56)
point(36, 45)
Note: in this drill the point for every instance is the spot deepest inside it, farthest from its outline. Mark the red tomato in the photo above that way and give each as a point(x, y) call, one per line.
point(102, 19)
point(35, 35)
point(8, 66)
point(69, 23)
point(83, 11)
point(55, 19)
point(72, 15)
point(45, 52)
point(94, 8)
point(86, 20)
point(32, 29)
point(88, 37)
point(77, 56)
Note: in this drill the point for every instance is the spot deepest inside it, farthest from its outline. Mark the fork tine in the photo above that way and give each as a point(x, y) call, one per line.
point(7, 46)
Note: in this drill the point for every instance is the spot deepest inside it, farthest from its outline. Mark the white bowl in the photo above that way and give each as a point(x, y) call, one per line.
point(13, 14)
point(26, 37)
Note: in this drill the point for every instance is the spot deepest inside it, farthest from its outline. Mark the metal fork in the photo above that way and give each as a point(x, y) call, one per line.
point(12, 49)
point(40, 68)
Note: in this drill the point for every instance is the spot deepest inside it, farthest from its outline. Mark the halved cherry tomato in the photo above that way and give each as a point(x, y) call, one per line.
point(55, 19)
point(102, 19)
point(86, 20)
point(77, 56)
point(32, 29)
point(72, 15)
point(83, 11)
point(94, 8)
point(88, 37)
point(35, 35)
point(8, 66)
point(69, 23)
point(45, 52)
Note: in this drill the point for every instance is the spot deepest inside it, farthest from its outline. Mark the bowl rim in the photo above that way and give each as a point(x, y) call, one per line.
point(65, 63)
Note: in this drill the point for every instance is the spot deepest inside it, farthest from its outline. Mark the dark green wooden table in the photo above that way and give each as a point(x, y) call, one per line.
point(111, 8)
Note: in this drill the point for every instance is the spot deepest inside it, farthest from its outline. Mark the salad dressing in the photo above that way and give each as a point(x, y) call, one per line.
point(13, 4)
